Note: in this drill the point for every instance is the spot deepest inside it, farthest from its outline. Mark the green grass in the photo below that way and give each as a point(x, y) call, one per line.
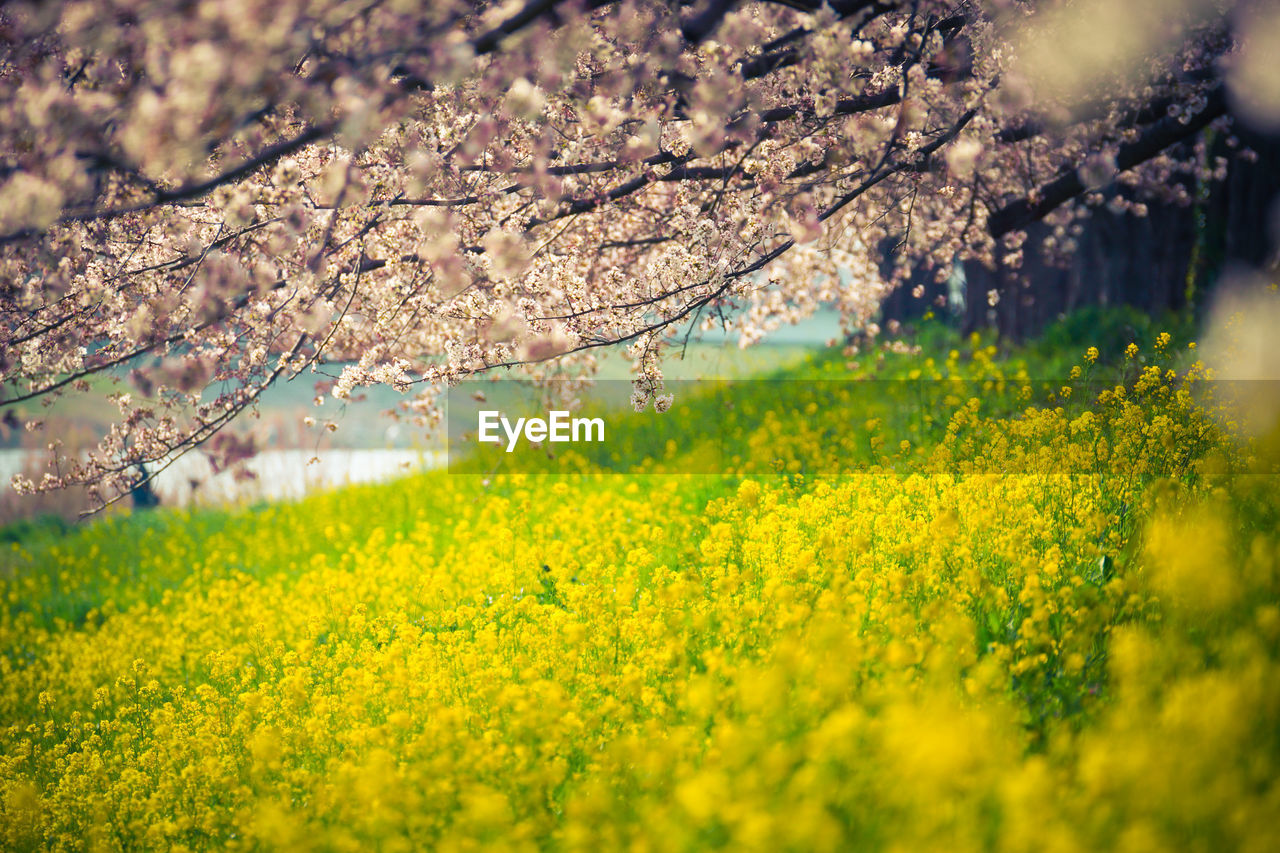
point(862, 407)
point(763, 633)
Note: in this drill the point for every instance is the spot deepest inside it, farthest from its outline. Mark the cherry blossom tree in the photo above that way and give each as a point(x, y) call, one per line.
point(200, 199)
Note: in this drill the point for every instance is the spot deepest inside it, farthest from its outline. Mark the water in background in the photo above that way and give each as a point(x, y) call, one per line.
point(285, 474)
point(366, 446)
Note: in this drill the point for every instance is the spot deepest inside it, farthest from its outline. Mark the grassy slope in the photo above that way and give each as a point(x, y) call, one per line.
point(771, 404)
point(720, 633)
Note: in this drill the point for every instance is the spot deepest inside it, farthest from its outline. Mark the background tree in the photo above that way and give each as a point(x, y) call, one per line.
point(213, 196)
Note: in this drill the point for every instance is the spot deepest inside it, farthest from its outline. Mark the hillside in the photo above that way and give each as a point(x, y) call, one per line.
point(956, 599)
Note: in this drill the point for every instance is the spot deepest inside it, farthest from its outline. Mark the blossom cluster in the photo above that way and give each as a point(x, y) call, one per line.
point(210, 199)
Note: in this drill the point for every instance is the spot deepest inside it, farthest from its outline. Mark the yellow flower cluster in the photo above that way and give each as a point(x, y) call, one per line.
point(1056, 630)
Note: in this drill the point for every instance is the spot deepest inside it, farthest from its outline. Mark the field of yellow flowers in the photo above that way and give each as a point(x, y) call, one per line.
point(1045, 625)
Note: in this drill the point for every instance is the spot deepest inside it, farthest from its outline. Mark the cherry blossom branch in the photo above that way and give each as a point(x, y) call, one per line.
point(1155, 139)
point(203, 433)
